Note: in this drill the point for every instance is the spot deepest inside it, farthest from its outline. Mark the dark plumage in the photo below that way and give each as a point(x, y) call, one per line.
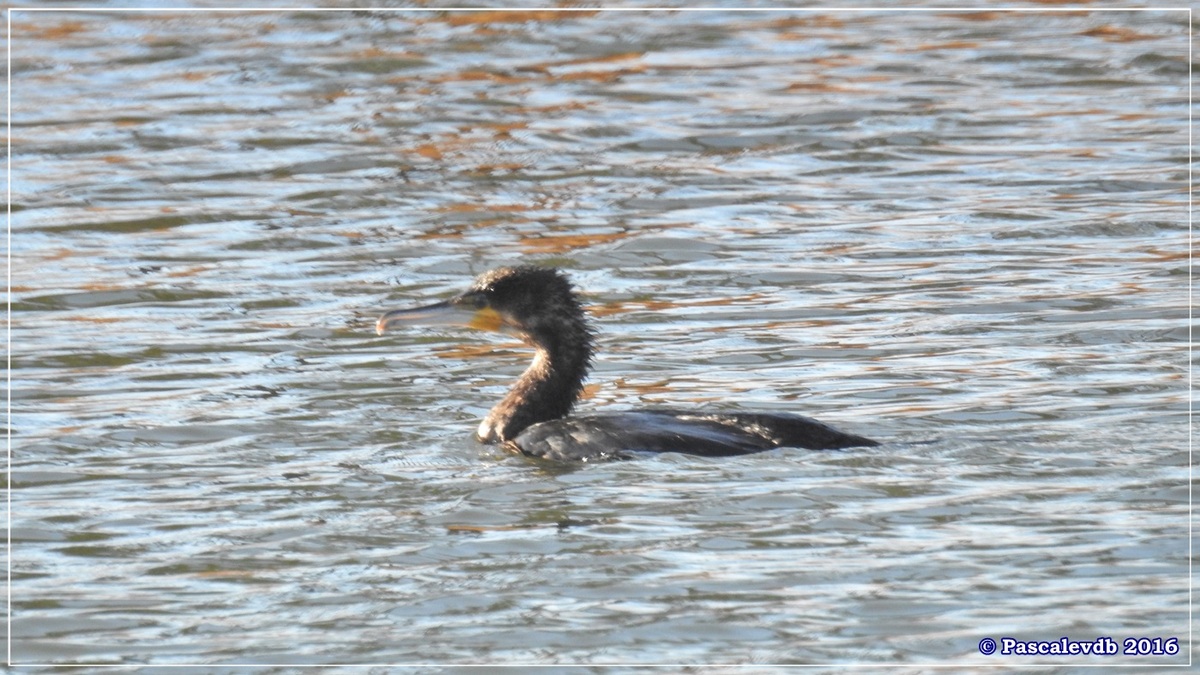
point(539, 305)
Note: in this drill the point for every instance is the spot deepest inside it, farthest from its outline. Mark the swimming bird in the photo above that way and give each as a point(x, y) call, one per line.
point(540, 306)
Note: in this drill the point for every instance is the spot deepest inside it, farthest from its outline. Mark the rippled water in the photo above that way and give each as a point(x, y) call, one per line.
point(964, 234)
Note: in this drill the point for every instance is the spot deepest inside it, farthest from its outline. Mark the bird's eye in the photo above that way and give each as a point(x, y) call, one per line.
point(475, 301)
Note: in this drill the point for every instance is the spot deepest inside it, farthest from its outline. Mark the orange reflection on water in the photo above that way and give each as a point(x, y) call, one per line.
point(568, 242)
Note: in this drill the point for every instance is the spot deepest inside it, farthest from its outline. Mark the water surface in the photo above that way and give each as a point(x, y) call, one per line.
point(964, 234)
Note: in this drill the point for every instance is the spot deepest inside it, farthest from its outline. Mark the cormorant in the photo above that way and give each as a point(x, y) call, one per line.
point(539, 305)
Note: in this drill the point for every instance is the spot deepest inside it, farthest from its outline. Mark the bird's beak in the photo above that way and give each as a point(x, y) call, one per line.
point(449, 313)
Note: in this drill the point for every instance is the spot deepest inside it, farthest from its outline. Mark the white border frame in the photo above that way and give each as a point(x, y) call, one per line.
point(8, 489)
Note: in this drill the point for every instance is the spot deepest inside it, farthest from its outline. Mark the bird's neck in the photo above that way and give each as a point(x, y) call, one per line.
point(547, 390)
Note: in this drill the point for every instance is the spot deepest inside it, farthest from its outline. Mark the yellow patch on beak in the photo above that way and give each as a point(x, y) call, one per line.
point(487, 319)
